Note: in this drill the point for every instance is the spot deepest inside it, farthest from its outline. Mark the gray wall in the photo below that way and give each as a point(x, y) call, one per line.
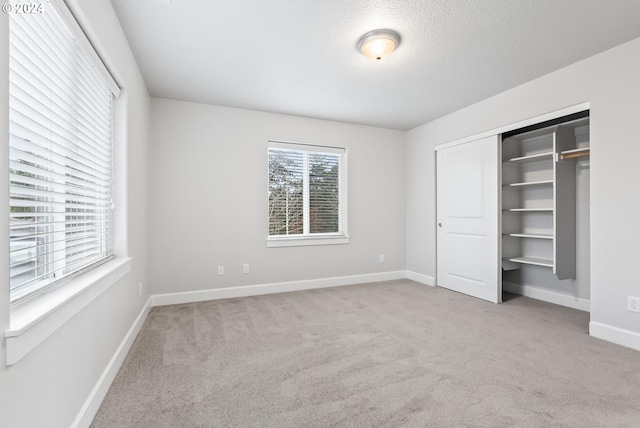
point(48, 387)
point(209, 198)
point(609, 81)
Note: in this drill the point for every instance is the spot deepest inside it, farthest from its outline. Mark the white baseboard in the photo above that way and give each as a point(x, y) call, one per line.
point(620, 336)
point(94, 400)
point(548, 296)
point(278, 287)
point(423, 279)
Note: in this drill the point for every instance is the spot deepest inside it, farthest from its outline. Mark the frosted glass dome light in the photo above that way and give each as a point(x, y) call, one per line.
point(378, 44)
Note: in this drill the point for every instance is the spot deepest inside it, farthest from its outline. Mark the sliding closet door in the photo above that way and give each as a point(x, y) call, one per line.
point(468, 219)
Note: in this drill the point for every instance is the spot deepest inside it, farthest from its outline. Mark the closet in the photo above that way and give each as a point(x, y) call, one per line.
point(542, 191)
point(541, 167)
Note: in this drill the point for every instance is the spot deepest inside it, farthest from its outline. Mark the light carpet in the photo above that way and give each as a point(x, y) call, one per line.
point(373, 355)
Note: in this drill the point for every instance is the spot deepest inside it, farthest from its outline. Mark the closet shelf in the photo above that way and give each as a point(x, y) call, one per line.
point(529, 210)
point(527, 184)
point(530, 235)
point(530, 158)
point(532, 261)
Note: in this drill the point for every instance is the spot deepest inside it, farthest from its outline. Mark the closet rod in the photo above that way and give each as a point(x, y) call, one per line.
point(574, 155)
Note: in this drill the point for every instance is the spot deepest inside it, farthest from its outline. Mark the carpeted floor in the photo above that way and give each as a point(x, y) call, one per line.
point(374, 355)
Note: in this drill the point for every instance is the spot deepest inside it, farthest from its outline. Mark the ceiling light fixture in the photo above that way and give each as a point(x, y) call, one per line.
point(378, 44)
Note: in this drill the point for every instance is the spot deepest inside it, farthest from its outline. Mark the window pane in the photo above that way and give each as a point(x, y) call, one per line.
point(324, 206)
point(286, 192)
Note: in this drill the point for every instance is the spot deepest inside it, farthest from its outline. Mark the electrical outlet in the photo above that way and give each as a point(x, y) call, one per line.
point(381, 258)
point(220, 270)
point(633, 304)
point(245, 268)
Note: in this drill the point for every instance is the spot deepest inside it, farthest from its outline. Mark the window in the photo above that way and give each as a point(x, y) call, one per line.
point(61, 151)
point(306, 195)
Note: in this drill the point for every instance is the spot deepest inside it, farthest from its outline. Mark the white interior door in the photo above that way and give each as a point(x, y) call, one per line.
point(468, 219)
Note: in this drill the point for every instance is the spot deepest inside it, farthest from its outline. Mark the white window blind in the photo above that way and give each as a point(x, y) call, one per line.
point(305, 190)
point(61, 154)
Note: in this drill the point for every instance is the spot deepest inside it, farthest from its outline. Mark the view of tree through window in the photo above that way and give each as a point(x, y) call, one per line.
point(285, 192)
point(304, 192)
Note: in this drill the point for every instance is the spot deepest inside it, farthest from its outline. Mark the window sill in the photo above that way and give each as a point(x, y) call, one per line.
point(32, 322)
point(307, 240)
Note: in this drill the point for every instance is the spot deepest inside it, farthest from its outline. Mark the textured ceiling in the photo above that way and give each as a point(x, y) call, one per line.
point(299, 57)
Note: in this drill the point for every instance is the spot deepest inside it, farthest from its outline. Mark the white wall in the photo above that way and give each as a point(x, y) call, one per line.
point(209, 198)
point(48, 387)
point(610, 82)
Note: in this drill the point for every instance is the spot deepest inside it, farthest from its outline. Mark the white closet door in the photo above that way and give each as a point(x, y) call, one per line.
point(468, 219)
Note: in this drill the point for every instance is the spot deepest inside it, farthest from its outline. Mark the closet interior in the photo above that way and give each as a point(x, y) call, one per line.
point(545, 210)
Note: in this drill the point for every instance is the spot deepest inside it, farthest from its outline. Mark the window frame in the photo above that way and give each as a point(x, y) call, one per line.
point(304, 239)
point(35, 318)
